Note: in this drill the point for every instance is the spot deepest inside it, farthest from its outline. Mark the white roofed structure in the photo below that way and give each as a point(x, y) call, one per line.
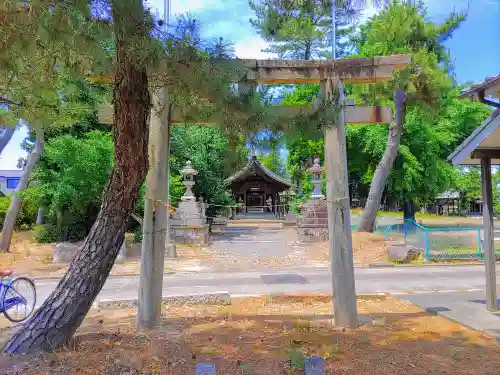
point(482, 148)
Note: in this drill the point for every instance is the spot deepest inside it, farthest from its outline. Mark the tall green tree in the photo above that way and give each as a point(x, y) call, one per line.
point(197, 81)
point(302, 148)
point(302, 29)
point(402, 28)
point(57, 319)
point(423, 172)
point(70, 181)
point(38, 61)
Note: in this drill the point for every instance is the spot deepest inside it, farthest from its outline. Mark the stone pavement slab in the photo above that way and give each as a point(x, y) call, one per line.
point(465, 308)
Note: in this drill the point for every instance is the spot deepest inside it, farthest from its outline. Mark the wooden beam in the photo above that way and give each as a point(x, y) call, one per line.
point(367, 115)
point(487, 153)
point(362, 70)
point(352, 114)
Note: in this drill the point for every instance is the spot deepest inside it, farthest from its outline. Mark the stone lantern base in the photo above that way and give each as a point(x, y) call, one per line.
point(189, 234)
point(312, 225)
point(188, 226)
point(290, 219)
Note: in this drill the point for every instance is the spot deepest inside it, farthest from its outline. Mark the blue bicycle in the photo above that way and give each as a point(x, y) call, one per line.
point(17, 297)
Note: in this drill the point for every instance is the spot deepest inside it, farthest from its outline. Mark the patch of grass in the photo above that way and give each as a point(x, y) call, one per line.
point(402, 335)
point(420, 259)
point(245, 369)
point(364, 338)
point(302, 325)
point(297, 359)
point(210, 351)
point(332, 352)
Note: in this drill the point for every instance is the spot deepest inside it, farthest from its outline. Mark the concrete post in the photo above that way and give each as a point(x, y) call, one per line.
point(339, 218)
point(488, 243)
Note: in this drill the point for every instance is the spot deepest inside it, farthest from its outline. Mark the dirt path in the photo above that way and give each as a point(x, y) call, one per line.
point(239, 248)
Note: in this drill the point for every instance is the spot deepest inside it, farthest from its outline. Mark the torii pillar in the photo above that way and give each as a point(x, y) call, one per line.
point(339, 211)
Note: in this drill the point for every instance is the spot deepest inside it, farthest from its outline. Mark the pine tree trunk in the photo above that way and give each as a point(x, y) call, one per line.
point(40, 215)
point(409, 209)
point(17, 200)
point(59, 225)
point(61, 314)
point(5, 136)
point(384, 167)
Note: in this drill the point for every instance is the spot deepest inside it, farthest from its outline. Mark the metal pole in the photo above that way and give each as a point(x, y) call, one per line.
point(334, 12)
point(166, 15)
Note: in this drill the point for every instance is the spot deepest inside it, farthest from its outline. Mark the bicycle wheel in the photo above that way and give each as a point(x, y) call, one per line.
point(19, 299)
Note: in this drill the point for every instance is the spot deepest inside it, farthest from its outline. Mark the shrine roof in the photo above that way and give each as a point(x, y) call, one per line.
point(486, 137)
point(490, 86)
point(255, 168)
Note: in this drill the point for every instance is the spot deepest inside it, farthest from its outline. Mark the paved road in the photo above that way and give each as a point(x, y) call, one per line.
point(368, 280)
point(467, 308)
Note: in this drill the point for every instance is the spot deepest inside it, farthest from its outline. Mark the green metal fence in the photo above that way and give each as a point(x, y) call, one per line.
point(441, 243)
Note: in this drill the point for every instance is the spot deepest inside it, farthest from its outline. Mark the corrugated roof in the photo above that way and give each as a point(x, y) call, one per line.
point(449, 194)
point(11, 173)
point(252, 167)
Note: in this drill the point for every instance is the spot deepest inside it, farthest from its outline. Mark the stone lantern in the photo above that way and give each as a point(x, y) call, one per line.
point(312, 224)
point(317, 172)
point(188, 172)
point(188, 225)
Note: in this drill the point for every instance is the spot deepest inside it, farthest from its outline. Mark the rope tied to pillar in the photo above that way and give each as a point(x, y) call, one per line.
point(332, 103)
point(330, 83)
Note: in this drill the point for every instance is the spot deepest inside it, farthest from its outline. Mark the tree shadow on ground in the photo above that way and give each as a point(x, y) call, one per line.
point(271, 338)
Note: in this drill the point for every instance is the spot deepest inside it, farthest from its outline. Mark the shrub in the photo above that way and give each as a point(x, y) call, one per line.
point(44, 233)
point(27, 214)
point(4, 206)
point(137, 234)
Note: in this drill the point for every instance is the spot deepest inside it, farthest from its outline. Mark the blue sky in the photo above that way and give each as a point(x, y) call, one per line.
point(474, 47)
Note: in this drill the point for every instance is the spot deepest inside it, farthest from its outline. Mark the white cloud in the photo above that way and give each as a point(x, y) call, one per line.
point(180, 7)
point(368, 12)
point(252, 49)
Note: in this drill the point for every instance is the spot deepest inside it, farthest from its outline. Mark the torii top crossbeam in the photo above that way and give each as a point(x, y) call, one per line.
point(361, 70)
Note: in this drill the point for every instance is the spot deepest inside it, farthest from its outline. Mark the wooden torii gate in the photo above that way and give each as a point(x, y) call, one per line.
point(354, 71)
point(331, 74)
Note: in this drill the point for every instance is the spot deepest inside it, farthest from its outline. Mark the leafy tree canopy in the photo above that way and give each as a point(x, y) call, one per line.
point(436, 120)
point(303, 29)
point(70, 181)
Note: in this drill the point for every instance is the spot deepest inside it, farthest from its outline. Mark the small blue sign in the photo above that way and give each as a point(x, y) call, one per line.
point(314, 365)
point(205, 369)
